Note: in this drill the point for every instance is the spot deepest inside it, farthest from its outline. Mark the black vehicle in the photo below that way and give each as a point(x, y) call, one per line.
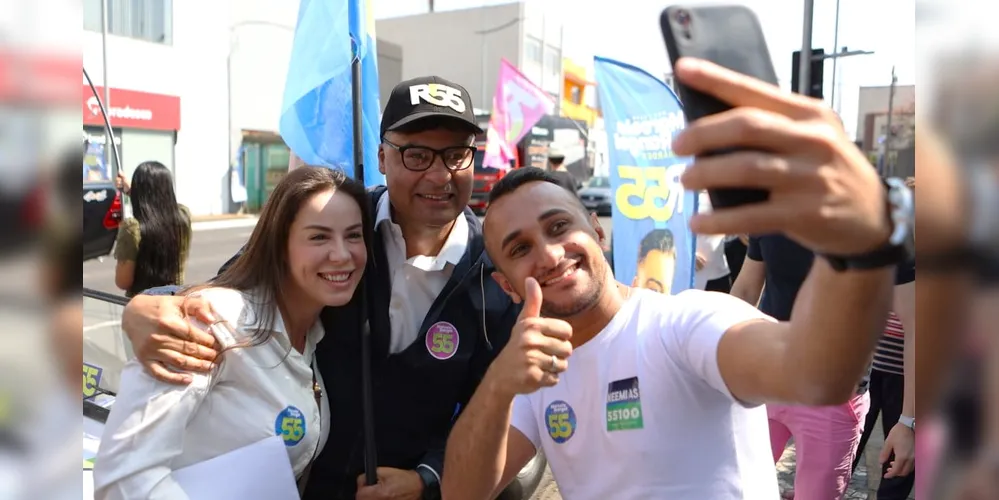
point(102, 203)
point(102, 212)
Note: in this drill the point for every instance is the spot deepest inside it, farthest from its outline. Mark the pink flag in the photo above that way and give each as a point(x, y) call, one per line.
point(517, 106)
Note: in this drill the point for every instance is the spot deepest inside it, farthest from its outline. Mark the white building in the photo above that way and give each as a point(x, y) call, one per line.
point(168, 100)
point(466, 46)
point(196, 86)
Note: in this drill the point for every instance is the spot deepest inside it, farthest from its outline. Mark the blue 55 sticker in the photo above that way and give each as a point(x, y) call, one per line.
point(290, 425)
point(561, 420)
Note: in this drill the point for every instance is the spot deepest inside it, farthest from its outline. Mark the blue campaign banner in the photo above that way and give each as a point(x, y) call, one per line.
point(652, 243)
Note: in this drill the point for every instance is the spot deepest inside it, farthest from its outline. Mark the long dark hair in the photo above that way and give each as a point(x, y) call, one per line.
point(163, 228)
point(263, 264)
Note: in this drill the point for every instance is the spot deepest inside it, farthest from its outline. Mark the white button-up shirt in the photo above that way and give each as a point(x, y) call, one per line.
point(156, 428)
point(417, 281)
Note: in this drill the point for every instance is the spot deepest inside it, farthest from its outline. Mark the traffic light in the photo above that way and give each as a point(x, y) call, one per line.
point(815, 72)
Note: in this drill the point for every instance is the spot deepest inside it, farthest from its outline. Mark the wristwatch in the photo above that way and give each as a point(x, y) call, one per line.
point(901, 213)
point(909, 422)
point(977, 253)
point(431, 485)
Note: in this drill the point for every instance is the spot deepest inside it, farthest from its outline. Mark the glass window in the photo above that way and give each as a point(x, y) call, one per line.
point(532, 50)
point(599, 182)
point(149, 20)
point(552, 60)
point(574, 95)
point(92, 15)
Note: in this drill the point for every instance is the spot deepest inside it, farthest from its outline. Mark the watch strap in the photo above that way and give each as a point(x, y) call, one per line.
point(886, 256)
point(909, 422)
point(899, 248)
point(431, 483)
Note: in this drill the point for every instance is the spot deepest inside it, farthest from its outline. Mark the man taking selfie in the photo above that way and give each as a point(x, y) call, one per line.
point(618, 385)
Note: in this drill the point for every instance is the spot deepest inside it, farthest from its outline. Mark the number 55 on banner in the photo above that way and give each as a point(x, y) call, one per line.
point(658, 196)
point(91, 380)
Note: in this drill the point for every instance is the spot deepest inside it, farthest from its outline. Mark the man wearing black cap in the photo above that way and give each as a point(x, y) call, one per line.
point(437, 318)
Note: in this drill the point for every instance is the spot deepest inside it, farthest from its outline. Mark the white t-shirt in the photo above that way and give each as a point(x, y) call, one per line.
point(642, 411)
point(712, 247)
point(155, 428)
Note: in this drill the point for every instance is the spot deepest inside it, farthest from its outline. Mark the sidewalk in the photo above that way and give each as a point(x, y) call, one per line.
point(223, 221)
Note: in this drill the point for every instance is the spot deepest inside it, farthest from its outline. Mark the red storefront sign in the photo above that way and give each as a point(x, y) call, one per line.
point(133, 109)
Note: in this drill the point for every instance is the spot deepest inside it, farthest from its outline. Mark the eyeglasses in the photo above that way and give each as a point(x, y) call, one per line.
point(420, 158)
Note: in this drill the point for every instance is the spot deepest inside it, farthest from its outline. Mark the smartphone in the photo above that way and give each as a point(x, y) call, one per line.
point(729, 36)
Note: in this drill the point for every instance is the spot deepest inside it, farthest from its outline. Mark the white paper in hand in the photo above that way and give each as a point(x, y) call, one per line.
point(261, 470)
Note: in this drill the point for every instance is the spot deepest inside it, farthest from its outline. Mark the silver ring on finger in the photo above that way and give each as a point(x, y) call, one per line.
point(554, 366)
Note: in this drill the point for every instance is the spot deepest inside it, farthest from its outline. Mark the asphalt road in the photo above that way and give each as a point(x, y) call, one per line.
point(210, 248)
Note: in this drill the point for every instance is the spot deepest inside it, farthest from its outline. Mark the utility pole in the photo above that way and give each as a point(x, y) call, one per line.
point(888, 134)
point(108, 139)
point(832, 100)
point(806, 49)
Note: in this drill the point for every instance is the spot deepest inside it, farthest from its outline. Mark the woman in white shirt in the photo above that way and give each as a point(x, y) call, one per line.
point(306, 252)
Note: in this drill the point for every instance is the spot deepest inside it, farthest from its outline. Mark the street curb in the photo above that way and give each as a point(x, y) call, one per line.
point(211, 225)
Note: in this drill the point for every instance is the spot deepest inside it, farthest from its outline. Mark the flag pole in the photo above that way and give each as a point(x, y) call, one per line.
point(367, 396)
point(355, 98)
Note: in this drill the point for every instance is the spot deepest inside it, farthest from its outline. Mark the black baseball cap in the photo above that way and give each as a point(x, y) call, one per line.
point(428, 97)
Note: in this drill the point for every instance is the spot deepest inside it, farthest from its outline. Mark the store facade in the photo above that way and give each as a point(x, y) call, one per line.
point(144, 125)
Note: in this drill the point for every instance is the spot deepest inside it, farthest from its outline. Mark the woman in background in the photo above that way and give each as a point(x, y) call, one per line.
point(152, 246)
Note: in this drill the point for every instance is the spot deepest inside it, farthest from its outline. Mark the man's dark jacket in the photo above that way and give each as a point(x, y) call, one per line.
point(415, 394)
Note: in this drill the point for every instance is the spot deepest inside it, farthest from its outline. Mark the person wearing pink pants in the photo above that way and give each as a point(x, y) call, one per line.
point(825, 442)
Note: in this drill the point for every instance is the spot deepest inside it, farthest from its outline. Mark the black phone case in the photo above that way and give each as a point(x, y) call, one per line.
point(729, 36)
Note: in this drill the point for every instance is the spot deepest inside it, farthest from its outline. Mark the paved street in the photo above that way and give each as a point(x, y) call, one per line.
point(210, 248)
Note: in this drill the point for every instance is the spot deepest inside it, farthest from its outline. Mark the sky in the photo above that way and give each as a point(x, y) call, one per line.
point(604, 28)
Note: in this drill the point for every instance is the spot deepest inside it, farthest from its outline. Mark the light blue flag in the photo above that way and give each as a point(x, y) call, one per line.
point(652, 242)
point(317, 113)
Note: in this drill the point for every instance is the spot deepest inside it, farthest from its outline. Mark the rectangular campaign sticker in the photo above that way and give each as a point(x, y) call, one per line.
point(624, 405)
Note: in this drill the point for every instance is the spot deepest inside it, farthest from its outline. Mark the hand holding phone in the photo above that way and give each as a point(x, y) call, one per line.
point(729, 36)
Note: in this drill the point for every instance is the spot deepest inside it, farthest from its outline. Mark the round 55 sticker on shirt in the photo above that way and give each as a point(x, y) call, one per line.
point(290, 425)
point(442, 340)
point(561, 420)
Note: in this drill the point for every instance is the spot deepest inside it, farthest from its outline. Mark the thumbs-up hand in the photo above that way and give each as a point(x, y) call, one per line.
point(536, 352)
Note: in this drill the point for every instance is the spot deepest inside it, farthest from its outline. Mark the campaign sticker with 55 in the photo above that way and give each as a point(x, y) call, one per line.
point(561, 421)
point(290, 425)
point(442, 340)
point(91, 380)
